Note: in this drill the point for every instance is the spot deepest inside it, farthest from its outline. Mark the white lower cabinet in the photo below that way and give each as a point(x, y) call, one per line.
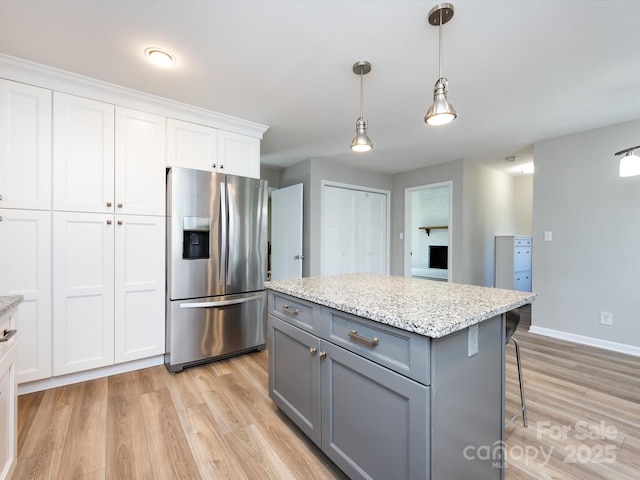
point(106, 267)
point(25, 252)
point(8, 394)
point(139, 287)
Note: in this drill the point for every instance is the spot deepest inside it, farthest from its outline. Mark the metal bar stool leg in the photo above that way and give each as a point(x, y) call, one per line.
point(523, 409)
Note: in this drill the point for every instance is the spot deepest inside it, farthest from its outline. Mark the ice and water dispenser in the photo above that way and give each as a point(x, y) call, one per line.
point(196, 233)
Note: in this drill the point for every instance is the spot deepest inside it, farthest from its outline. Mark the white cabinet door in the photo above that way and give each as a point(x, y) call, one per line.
point(192, 146)
point(238, 154)
point(25, 263)
point(83, 256)
point(83, 158)
point(139, 287)
point(140, 162)
point(25, 146)
point(8, 404)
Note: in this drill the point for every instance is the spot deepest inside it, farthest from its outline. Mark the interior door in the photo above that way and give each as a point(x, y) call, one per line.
point(286, 233)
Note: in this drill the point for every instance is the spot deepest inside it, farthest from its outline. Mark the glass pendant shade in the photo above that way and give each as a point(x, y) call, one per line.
point(441, 112)
point(361, 142)
point(629, 165)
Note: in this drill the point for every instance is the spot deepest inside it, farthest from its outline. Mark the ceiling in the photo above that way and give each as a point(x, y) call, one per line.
point(519, 71)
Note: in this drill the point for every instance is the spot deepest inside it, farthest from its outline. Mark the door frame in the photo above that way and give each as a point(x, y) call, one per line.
point(360, 188)
point(408, 227)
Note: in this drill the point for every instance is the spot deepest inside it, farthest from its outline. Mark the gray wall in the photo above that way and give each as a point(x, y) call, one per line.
point(523, 202)
point(488, 210)
point(443, 172)
point(592, 264)
point(311, 173)
point(271, 175)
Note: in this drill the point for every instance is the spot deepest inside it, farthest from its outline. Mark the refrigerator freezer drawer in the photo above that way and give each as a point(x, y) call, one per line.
point(206, 329)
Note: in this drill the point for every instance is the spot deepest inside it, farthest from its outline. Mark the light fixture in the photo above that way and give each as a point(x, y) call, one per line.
point(361, 142)
point(160, 57)
point(441, 112)
point(630, 163)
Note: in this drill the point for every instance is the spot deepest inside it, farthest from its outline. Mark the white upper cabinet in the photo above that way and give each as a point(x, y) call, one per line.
point(192, 146)
point(25, 146)
point(239, 154)
point(205, 148)
point(140, 163)
point(83, 160)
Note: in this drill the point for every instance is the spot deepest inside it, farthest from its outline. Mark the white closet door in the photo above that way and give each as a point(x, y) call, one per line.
point(25, 146)
point(372, 232)
point(354, 231)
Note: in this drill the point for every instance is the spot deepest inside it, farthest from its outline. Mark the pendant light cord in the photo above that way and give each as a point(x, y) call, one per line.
point(440, 46)
point(361, 94)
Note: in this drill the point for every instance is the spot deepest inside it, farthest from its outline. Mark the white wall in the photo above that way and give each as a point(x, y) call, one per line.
point(523, 203)
point(593, 262)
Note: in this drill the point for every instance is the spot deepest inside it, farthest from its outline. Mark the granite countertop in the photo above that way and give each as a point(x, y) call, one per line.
point(8, 303)
point(426, 307)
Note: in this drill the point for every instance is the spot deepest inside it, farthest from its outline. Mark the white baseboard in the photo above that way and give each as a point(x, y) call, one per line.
point(593, 342)
point(53, 382)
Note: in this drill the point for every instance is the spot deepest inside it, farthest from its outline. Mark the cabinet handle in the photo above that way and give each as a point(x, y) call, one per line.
point(119, 222)
point(109, 204)
point(323, 355)
point(108, 222)
point(290, 311)
point(313, 351)
point(371, 341)
point(119, 205)
point(7, 335)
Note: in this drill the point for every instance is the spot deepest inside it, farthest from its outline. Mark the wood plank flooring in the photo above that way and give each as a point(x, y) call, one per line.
point(217, 422)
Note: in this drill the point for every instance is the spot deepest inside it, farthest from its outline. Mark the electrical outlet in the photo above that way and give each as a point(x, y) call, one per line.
point(473, 340)
point(606, 318)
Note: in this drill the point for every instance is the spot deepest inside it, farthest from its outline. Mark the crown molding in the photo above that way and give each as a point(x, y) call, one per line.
point(20, 70)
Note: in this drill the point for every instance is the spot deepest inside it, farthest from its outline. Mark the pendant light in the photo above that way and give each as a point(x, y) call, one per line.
point(361, 142)
point(441, 112)
point(630, 163)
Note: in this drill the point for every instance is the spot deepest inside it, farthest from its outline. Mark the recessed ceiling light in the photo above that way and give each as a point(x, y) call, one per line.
point(160, 57)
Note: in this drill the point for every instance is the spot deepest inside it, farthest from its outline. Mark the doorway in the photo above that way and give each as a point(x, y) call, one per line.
point(427, 252)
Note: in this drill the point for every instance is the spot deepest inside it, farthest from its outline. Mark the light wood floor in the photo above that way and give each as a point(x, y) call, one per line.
point(217, 421)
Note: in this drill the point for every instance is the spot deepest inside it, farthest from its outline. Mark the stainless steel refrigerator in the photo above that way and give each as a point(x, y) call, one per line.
point(216, 266)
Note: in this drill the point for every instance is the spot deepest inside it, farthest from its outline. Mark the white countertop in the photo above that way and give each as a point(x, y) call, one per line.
point(426, 307)
point(8, 303)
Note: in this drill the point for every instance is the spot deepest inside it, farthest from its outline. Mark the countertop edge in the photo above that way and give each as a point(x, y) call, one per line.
point(423, 330)
point(9, 303)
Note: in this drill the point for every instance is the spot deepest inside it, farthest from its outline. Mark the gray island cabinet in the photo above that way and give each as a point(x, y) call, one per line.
point(393, 378)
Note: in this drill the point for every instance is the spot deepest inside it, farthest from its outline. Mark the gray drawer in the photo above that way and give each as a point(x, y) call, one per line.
point(403, 352)
point(302, 314)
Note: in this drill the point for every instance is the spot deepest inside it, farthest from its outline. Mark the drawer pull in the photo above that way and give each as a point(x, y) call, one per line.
point(7, 335)
point(289, 310)
point(323, 355)
point(371, 341)
point(313, 351)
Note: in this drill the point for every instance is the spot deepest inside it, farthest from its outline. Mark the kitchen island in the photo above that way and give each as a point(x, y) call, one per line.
point(393, 377)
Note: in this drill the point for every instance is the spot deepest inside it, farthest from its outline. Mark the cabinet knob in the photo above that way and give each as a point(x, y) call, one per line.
point(213, 165)
point(108, 204)
point(313, 351)
point(323, 355)
point(119, 222)
point(0, 218)
point(119, 205)
point(108, 222)
point(221, 167)
point(0, 197)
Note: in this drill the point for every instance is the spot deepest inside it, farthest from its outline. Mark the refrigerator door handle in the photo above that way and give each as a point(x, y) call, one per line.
point(224, 218)
point(221, 303)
